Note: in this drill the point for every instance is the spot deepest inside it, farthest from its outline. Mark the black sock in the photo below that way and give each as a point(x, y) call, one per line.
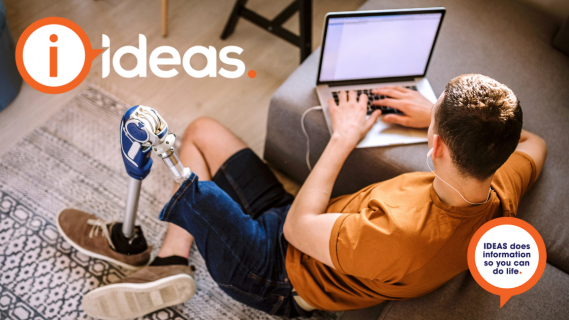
point(126, 246)
point(169, 261)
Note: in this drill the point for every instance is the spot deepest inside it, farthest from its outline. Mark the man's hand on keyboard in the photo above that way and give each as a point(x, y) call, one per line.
point(417, 109)
point(349, 117)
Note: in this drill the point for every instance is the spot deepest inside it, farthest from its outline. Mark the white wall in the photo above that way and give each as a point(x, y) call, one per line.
point(558, 8)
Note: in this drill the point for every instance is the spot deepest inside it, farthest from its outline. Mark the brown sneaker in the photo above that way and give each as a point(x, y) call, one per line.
point(90, 236)
point(145, 291)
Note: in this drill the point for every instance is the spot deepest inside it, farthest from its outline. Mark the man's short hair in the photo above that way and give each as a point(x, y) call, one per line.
point(480, 120)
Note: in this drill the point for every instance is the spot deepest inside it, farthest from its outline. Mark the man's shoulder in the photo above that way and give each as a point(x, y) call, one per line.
point(406, 190)
point(410, 178)
point(417, 175)
point(513, 179)
point(519, 163)
point(404, 186)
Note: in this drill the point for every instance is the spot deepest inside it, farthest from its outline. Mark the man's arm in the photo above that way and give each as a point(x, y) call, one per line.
point(535, 147)
point(306, 227)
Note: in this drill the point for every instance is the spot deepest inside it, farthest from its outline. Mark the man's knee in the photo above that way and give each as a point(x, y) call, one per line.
point(199, 128)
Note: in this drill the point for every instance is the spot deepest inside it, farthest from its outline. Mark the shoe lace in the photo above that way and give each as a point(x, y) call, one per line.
point(98, 224)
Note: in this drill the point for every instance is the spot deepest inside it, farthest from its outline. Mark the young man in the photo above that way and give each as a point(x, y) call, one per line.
point(396, 239)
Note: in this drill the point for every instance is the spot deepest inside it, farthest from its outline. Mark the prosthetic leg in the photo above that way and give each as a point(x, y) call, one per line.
point(155, 286)
point(144, 131)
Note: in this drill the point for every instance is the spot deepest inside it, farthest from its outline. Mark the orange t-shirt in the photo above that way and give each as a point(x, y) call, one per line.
point(396, 240)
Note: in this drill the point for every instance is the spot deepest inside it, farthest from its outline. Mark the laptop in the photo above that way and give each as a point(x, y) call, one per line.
point(365, 50)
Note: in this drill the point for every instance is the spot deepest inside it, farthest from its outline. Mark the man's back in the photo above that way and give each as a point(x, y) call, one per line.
point(397, 240)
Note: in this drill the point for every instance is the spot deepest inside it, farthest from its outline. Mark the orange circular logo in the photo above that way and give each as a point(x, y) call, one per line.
point(54, 55)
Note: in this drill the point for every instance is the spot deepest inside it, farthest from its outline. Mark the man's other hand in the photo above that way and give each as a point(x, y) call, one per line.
point(349, 117)
point(415, 106)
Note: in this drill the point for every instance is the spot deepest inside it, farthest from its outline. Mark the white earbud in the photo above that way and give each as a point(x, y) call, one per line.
point(489, 191)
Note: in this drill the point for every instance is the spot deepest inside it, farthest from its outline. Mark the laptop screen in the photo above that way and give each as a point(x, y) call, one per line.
point(378, 46)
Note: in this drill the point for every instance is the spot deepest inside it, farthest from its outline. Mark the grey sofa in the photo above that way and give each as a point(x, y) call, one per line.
point(503, 39)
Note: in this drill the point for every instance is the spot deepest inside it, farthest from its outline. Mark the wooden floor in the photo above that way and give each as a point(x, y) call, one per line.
point(240, 104)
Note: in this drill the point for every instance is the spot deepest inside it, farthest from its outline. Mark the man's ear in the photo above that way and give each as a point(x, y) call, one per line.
point(438, 146)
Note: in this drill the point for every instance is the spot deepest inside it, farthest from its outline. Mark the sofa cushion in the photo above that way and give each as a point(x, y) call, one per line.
point(502, 39)
point(463, 298)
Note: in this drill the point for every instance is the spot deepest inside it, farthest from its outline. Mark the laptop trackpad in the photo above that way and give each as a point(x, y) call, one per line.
point(385, 134)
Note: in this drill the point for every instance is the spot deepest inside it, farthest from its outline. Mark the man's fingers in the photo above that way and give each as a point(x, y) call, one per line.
point(387, 102)
point(372, 119)
point(363, 100)
point(392, 103)
point(401, 120)
point(393, 93)
point(352, 96)
point(343, 97)
point(398, 88)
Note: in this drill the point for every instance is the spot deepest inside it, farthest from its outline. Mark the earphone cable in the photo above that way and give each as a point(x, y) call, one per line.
point(306, 135)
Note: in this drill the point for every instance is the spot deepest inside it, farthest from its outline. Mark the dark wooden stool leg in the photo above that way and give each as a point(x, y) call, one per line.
point(304, 8)
point(233, 19)
point(305, 19)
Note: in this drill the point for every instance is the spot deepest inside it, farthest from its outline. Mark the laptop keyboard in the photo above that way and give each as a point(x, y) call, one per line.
point(371, 98)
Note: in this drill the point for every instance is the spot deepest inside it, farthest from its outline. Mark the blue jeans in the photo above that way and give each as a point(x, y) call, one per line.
point(237, 221)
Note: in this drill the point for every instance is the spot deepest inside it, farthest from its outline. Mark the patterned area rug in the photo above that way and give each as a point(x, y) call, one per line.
point(74, 161)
